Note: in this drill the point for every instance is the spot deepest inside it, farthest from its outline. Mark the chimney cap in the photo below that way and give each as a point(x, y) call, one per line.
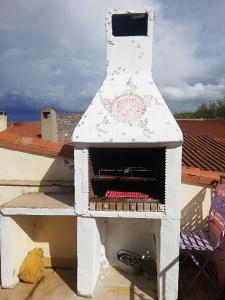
point(134, 10)
point(47, 108)
point(46, 111)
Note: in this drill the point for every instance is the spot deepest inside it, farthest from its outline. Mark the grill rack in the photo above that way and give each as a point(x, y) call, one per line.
point(126, 171)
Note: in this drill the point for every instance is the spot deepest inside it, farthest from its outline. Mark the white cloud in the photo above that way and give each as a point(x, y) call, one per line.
point(54, 51)
point(197, 91)
point(173, 54)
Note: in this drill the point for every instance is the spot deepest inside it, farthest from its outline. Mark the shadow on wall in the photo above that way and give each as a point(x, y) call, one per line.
point(135, 236)
point(163, 275)
point(192, 216)
point(59, 177)
point(62, 169)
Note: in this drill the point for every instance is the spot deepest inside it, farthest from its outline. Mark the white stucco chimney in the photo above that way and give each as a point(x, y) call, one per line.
point(128, 108)
point(3, 121)
point(49, 124)
point(128, 143)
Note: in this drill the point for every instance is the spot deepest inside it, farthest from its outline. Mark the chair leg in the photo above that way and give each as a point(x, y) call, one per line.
point(212, 273)
point(202, 269)
point(186, 256)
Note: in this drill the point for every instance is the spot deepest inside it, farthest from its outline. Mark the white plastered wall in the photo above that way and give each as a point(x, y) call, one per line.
point(8, 192)
point(56, 236)
point(167, 260)
point(195, 205)
point(16, 241)
point(21, 173)
point(90, 253)
point(130, 234)
point(173, 182)
point(16, 165)
point(25, 167)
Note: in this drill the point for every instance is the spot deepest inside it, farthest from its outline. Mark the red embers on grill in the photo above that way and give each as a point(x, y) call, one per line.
point(117, 194)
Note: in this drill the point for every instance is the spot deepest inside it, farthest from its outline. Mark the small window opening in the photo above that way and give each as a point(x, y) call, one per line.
point(130, 24)
point(3, 113)
point(46, 114)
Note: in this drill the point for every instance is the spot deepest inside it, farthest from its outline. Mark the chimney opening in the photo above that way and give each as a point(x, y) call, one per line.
point(3, 113)
point(130, 24)
point(46, 114)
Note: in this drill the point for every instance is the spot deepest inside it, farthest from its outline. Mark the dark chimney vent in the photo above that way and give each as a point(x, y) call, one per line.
point(46, 114)
point(130, 24)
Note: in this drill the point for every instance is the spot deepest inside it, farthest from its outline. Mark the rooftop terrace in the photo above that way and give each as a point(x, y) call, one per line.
point(60, 284)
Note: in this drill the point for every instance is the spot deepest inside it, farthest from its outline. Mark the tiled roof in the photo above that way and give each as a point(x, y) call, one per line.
point(28, 129)
point(197, 176)
point(214, 128)
point(204, 152)
point(204, 144)
point(203, 148)
point(26, 136)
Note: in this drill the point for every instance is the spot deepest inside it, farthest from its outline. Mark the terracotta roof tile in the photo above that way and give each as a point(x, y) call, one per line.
point(203, 148)
point(214, 127)
point(204, 152)
point(197, 176)
point(27, 129)
point(17, 138)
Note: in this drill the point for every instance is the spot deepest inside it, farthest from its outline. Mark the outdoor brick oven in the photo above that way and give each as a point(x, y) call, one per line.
point(128, 160)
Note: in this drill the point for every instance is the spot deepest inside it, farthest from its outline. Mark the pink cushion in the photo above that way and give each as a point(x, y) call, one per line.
point(220, 190)
point(118, 194)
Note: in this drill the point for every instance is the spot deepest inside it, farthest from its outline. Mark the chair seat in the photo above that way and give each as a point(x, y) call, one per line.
point(195, 240)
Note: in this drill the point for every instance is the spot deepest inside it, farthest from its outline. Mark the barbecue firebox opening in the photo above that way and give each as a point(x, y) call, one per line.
point(130, 24)
point(127, 175)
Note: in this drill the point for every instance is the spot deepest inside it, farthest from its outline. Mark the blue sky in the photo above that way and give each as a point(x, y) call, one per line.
point(52, 52)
